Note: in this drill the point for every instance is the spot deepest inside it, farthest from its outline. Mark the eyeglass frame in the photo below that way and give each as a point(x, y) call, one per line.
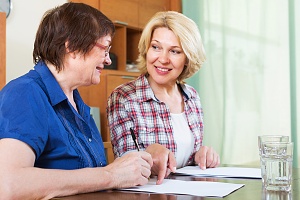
point(105, 48)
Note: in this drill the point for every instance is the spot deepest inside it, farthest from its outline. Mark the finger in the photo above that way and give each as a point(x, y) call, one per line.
point(147, 157)
point(215, 159)
point(161, 173)
point(168, 172)
point(172, 162)
point(202, 162)
point(143, 181)
point(210, 158)
point(146, 172)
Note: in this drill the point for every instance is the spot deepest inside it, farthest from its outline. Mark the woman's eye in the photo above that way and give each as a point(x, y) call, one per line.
point(175, 52)
point(155, 47)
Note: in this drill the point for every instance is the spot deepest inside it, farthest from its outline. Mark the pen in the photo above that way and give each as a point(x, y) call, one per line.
point(136, 143)
point(134, 139)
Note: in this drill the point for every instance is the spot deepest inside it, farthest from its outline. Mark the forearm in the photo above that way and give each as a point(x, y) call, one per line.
point(36, 183)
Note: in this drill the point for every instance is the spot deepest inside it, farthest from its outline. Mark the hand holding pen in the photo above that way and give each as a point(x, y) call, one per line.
point(164, 161)
point(136, 142)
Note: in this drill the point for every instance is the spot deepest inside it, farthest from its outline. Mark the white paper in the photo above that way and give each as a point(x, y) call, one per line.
point(233, 172)
point(195, 188)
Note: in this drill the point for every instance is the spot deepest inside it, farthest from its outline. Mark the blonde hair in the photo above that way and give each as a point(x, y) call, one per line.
point(188, 35)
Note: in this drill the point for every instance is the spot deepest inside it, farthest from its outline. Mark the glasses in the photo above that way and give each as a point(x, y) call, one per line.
point(105, 48)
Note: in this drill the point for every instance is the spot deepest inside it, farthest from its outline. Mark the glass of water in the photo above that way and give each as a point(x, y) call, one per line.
point(271, 138)
point(276, 165)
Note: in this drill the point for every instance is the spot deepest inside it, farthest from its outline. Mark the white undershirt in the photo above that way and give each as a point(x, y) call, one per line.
point(183, 138)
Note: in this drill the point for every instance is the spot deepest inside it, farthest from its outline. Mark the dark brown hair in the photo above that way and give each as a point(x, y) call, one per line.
point(74, 24)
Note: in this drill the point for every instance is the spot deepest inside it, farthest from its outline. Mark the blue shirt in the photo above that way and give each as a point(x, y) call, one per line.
point(35, 110)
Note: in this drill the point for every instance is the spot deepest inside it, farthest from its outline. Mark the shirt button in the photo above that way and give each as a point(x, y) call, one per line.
point(90, 139)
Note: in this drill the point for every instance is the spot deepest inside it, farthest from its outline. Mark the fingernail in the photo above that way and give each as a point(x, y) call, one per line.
point(202, 166)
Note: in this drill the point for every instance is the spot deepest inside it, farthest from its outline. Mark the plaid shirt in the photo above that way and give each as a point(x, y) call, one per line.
point(134, 105)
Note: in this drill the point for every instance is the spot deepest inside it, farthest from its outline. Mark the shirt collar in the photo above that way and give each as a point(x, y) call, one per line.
point(187, 94)
point(55, 93)
point(143, 89)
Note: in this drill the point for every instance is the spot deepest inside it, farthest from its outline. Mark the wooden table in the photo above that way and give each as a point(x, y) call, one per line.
point(251, 191)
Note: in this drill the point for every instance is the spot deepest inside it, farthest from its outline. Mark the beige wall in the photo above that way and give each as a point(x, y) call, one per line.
point(21, 27)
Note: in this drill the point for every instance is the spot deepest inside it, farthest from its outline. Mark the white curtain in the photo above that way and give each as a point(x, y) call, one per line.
point(245, 83)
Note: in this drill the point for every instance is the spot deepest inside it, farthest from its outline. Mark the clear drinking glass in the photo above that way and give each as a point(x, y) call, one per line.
point(276, 165)
point(271, 138)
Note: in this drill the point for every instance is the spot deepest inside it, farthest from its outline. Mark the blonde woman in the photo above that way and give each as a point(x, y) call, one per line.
point(164, 113)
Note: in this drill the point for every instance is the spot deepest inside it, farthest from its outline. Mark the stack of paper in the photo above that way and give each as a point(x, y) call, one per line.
point(200, 188)
point(235, 172)
point(196, 188)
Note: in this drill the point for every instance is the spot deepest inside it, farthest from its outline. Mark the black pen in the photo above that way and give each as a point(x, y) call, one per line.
point(134, 139)
point(136, 143)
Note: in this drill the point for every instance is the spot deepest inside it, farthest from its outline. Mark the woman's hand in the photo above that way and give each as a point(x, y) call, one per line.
point(207, 157)
point(164, 161)
point(131, 169)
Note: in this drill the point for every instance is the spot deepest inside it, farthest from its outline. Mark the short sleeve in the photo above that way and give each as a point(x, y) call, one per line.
point(23, 113)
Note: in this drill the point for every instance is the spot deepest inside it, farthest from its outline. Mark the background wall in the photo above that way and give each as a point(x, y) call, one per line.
point(21, 26)
point(222, 25)
point(249, 84)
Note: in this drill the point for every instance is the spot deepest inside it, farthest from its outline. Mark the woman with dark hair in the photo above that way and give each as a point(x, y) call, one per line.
point(49, 143)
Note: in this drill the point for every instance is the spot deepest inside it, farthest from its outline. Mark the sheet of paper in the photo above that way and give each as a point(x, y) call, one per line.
point(233, 172)
point(195, 188)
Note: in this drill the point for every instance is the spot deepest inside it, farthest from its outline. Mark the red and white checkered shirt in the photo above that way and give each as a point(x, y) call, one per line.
point(134, 105)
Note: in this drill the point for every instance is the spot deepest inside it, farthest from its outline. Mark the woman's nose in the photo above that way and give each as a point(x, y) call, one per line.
point(107, 60)
point(164, 57)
